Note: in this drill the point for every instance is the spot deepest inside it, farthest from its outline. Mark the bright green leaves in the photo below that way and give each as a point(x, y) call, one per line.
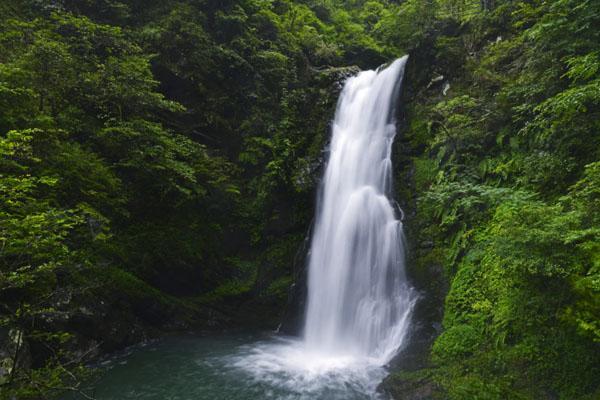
point(585, 194)
point(51, 71)
point(90, 175)
point(531, 271)
point(231, 23)
point(584, 202)
point(34, 233)
point(460, 10)
point(459, 137)
point(123, 88)
point(38, 241)
point(507, 183)
point(152, 158)
point(583, 68)
point(402, 28)
point(459, 341)
point(535, 239)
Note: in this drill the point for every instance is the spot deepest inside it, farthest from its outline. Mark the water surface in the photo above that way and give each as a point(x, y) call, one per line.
point(232, 367)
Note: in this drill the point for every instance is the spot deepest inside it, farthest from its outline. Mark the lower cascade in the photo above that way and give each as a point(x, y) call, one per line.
point(359, 302)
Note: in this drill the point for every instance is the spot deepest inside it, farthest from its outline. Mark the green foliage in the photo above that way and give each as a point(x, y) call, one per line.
point(40, 243)
point(170, 149)
point(509, 151)
point(514, 297)
point(87, 160)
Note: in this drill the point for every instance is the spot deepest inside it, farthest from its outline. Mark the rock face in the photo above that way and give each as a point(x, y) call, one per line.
point(293, 318)
point(120, 311)
point(410, 378)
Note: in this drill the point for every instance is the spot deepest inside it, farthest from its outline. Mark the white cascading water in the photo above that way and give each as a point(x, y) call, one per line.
point(359, 302)
point(358, 298)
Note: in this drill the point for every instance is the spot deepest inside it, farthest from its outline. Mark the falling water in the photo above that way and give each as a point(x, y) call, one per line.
point(358, 299)
point(359, 302)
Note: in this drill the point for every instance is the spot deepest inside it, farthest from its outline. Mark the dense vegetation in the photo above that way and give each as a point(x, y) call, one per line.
point(506, 151)
point(159, 158)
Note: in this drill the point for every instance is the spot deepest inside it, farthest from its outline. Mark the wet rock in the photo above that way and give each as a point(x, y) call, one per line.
point(293, 318)
point(435, 80)
point(446, 88)
point(417, 386)
point(337, 76)
point(13, 346)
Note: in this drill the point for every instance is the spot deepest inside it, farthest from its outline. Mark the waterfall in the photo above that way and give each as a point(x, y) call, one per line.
point(359, 301)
